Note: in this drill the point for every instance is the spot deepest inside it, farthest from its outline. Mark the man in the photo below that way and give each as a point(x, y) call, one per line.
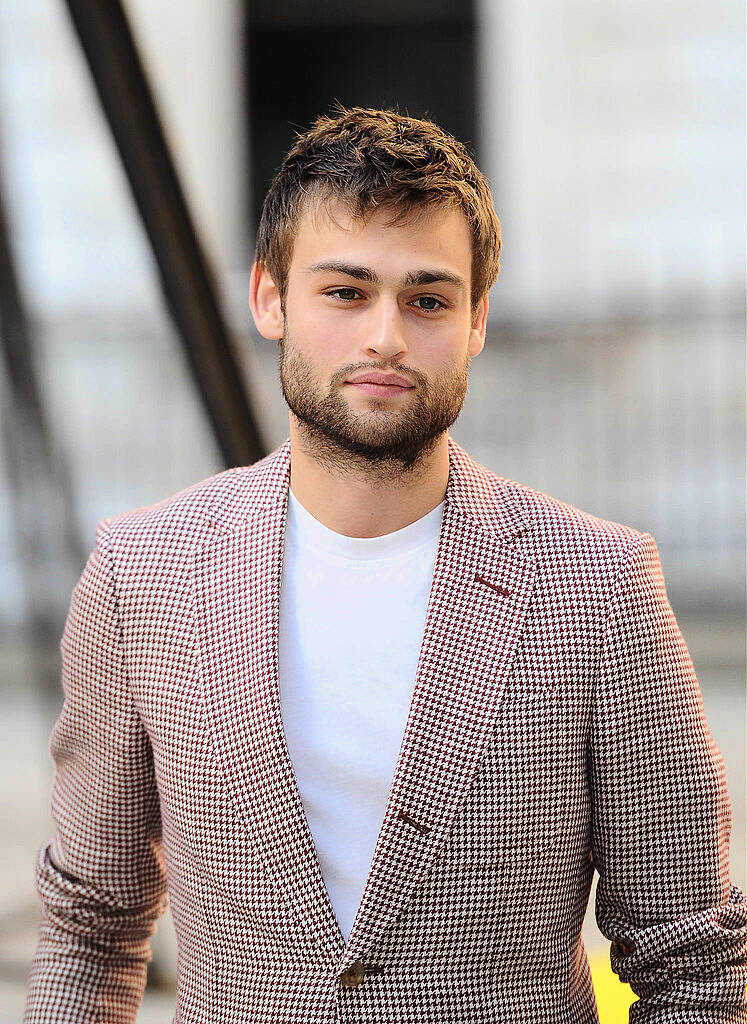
point(371, 714)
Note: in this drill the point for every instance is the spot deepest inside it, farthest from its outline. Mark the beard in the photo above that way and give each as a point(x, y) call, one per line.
point(388, 436)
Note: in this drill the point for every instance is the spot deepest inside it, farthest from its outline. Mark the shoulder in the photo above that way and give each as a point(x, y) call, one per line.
point(582, 558)
point(553, 519)
point(550, 522)
point(565, 542)
point(181, 523)
point(576, 542)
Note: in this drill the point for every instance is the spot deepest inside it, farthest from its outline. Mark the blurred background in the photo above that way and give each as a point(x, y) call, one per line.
point(613, 377)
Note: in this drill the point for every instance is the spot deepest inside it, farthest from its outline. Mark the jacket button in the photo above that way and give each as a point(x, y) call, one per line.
point(353, 975)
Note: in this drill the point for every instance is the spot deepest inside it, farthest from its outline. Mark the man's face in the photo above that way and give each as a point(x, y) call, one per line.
point(368, 296)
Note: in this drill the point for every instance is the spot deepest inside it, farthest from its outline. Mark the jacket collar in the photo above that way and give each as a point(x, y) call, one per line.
point(484, 498)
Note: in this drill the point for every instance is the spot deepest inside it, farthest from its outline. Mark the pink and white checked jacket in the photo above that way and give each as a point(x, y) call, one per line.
point(556, 727)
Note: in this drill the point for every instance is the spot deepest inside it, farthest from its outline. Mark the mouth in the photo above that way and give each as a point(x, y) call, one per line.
point(381, 390)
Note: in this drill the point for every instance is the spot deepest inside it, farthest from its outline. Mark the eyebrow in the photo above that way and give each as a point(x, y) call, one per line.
point(415, 277)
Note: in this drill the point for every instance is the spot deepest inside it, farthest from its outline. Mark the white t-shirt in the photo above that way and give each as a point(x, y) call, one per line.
point(352, 614)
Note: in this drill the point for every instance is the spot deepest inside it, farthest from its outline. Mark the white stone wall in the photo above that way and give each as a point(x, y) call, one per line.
point(614, 137)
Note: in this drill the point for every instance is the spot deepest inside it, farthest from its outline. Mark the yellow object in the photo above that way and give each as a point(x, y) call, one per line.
point(613, 997)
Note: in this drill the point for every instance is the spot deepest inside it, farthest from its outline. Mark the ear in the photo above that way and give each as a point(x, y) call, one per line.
point(477, 331)
point(264, 302)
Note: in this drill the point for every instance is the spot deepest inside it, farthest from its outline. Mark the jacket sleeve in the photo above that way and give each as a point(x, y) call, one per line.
point(661, 816)
point(101, 880)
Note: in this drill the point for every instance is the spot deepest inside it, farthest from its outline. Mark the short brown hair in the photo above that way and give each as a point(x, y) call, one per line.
point(370, 159)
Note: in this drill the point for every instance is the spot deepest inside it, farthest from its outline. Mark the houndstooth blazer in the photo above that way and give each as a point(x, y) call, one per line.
point(556, 727)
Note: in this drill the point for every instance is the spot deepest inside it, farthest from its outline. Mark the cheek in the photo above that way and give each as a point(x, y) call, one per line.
point(438, 351)
point(320, 340)
point(314, 333)
point(337, 341)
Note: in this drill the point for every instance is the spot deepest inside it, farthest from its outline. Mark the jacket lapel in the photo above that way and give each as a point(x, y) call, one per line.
point(478, 603)
point(237, 604)
point(479, 598)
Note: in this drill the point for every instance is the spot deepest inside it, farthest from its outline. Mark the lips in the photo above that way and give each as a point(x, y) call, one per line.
point(390, 379)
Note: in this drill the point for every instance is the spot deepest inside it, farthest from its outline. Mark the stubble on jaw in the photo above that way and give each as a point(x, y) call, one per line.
point(382, 443)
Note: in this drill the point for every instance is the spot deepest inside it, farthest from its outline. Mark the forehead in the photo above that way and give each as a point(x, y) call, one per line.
point(328, 231)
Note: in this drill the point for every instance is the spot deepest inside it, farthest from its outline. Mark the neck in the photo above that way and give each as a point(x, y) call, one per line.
point(357, 499)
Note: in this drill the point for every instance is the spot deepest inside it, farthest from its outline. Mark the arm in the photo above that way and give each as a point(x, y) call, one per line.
point(661, 816)
point(101, 880)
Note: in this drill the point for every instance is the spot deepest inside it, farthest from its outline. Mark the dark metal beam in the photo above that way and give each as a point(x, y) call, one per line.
point(186, 279)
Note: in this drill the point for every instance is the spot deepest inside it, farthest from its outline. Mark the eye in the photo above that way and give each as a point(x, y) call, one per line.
point(429, 303)
point(344, 294)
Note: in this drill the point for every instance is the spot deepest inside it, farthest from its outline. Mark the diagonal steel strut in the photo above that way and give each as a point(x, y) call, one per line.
point(187, 281)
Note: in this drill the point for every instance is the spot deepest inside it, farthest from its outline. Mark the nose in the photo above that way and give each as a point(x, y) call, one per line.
point(385, 330)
